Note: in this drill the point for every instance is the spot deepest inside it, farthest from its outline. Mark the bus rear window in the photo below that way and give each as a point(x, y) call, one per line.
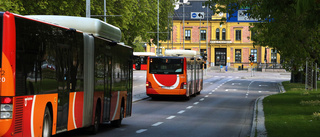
point(1, 25)
point(166, 66)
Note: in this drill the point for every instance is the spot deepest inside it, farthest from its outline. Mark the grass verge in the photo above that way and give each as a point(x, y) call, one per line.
point(295, 113)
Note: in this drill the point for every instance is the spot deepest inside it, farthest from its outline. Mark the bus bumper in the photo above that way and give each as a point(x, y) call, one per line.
point(5, 126)
point(161, 91)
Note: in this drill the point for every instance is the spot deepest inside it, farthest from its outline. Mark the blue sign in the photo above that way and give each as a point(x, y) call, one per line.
point(197, 15)
point(240, 16)
point(194, 15)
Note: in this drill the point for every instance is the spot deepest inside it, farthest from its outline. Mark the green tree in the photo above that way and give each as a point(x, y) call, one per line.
point(290, 26)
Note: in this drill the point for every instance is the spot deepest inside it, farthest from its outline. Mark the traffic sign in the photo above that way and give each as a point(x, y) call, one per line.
point(197, 15)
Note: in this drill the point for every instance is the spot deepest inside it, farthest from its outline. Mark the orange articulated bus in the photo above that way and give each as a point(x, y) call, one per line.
point(58, 75)
point(179, 73)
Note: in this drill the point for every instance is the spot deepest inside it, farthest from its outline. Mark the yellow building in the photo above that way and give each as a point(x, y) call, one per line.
point(228, 44)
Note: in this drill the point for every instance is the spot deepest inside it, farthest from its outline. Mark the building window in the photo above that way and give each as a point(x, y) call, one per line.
point(254, 53)
point(224, 34)
point(273, 56)
point(188, 35)
point(169, 35)
point(238, 55)
point(217, 34)
point(238, 34)
point(203, 34)
point(252, 34)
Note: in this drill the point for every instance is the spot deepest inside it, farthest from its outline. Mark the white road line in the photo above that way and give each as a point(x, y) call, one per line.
point(189, 107)
point(247, 94)
point(157, 124)
point(235, 84)
point(263, 85)
point(201, 99)
point(171, 117)
point(181, 111)
point(141, 130)
point(195, 103)
point(213, 90)
point(206, 96)
point(210, 93)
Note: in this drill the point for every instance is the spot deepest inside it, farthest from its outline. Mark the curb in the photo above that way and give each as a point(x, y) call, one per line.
point(258, 128)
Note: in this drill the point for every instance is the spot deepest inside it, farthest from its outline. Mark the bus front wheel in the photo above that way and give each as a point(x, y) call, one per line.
point(47, 123)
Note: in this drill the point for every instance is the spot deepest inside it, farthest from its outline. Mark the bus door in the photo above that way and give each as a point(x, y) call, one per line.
point(107, 92)
point(129, 89)
point(63, 66)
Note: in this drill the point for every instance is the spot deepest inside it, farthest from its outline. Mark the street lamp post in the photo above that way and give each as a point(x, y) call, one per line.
point(183, 18)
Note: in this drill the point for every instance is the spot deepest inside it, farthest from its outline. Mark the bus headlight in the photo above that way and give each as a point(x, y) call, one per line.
point(5, 115)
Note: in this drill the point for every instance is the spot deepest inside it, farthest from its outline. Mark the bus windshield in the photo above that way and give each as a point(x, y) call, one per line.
point(166, 66)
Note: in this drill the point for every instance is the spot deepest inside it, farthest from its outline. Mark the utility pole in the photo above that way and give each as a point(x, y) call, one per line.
point(158, 31)
point(88, 8)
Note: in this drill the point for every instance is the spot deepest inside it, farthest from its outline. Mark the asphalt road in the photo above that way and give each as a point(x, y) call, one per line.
point(223, 109)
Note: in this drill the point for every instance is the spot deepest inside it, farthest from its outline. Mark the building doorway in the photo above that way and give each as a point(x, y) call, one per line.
point(220, 56)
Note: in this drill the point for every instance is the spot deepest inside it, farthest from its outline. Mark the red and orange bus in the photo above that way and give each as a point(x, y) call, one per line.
point(179, 73)
point(57, 78)
point(140, 60)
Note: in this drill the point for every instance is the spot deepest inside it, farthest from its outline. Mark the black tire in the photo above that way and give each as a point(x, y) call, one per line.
point(95, 127)
point(117, 123)
point(187, 97)
point(47, 123)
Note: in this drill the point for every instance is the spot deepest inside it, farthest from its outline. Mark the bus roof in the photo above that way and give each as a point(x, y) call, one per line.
point(86, 25)
point(181, 53)
point(144, 54)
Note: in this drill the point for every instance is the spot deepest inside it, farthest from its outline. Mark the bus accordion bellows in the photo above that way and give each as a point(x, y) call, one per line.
point(57, 75)
point(178, 73)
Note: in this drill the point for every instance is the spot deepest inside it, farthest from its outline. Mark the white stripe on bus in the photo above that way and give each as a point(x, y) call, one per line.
point(74, 119)
point(32, 114)
point(115, 111)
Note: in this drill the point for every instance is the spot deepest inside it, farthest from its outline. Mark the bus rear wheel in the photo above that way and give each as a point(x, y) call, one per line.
point(47, 123)
point(117, 123)
point(96, 123)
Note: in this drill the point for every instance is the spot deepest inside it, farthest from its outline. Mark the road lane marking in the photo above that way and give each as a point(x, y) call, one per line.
point(195, 103)
point(171, 117)
point(181, 111)
point(206, 96)
point(210, 93)
point(141, 130)
point(201, 99)
point(231, 90)
point(263, 85)
point(236, 84)
point(189, 107)
point(157, 124)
